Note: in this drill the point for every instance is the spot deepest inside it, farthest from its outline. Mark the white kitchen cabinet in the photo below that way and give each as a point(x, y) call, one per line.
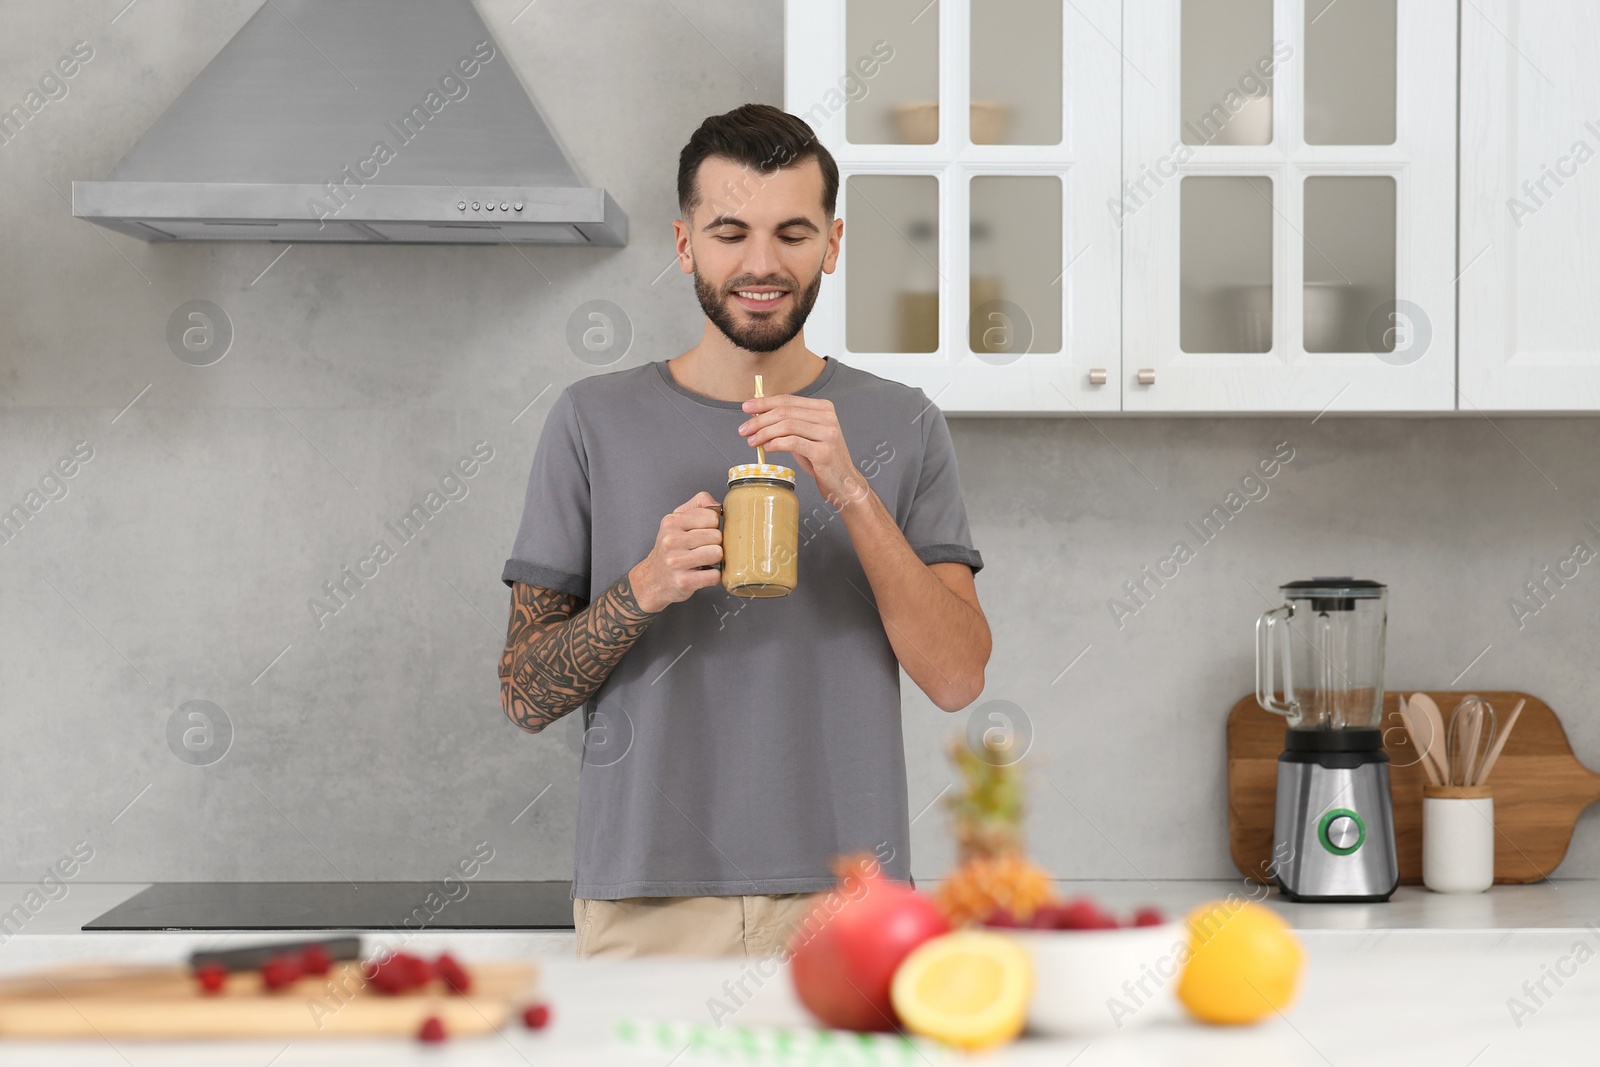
point(1173, 205)
point(1289, 246)
point(978, 144)
point(1530, 206)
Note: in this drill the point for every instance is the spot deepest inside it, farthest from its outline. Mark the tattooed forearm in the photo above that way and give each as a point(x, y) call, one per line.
point(555, 657)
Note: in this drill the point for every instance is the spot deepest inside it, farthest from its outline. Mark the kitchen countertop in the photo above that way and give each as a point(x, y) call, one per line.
point(1424, 979)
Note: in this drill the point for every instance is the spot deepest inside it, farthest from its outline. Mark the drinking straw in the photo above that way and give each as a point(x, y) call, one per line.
point(761, 453)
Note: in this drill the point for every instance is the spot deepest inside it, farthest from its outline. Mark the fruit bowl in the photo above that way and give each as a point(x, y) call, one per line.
point(1089, 982)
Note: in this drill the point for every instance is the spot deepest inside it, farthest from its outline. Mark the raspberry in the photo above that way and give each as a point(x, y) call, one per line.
point(315, 960)
point(432, 1030)
point(1002, 918)
point(1148, 917)
point(454, 975)
point(212, 978)
point(280, 971)
point(400, 972)
point(535, 1016)
point(1084, 914)
point(419, 972)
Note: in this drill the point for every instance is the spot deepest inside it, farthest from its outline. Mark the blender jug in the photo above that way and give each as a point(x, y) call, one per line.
point(1326, 640)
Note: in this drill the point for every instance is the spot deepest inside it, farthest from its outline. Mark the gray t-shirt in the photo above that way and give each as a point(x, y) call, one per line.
point(740, 744)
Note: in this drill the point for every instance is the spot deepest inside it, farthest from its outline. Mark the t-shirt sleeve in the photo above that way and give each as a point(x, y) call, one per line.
point(937, 528)
point(552, 545)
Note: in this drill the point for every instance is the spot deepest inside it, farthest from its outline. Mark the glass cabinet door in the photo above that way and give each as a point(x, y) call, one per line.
point(1016, 54)
point(977, 142)
point(1351, 80)
point(1225, 264)
point(899, 102)
point(1014, 297)
point(1288, 212)
point(892, 297)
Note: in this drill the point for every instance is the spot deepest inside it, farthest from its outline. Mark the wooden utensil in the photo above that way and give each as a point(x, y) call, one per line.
point(1418, 730)
point(1441, 754)
point(1540, 789)
point(1499, 743)
point(111, 1001)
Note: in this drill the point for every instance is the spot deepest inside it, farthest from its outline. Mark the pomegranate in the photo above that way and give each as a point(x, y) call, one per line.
point(843, 965)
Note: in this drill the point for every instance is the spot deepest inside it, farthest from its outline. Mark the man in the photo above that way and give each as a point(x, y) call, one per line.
point(734, 747)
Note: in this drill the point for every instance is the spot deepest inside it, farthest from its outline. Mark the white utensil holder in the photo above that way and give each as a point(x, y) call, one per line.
point(1457, 838)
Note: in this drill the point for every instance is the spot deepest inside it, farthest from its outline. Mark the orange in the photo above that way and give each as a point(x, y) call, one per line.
point(969, 988)
point(1244, 963)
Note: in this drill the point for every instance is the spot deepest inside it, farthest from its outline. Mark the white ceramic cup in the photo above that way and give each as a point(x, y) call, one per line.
point(1457, 838)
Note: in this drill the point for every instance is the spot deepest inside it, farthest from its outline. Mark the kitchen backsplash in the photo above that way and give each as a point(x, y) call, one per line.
point(253, 608)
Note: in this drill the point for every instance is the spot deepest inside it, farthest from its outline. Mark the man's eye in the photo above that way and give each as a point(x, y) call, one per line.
point(791, 240)
point(729, 239)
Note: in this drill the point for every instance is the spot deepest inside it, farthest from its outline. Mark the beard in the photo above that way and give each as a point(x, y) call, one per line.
point(766, 332)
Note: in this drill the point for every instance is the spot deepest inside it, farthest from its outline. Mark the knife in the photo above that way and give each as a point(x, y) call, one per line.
point(251, 957)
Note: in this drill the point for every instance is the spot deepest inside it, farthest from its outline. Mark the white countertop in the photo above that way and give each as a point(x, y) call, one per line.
point(1424, 979)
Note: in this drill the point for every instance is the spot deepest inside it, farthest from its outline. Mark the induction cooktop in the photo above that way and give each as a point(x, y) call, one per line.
point(456, 905)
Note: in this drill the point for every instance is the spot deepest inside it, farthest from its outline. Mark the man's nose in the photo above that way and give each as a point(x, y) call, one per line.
point(760, 258)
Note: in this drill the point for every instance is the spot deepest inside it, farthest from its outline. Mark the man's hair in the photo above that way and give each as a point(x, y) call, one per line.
point(759, 136)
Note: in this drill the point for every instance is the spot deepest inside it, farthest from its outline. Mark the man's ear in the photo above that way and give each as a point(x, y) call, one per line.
point(830, 248)
point(680, 233)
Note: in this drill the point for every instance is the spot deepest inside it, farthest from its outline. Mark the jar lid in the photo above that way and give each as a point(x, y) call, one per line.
point(760, 470)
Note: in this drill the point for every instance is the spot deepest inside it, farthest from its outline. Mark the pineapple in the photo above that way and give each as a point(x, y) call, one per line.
point(992, 870)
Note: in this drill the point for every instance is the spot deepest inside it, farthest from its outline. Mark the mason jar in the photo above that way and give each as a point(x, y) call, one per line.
point(760, 531)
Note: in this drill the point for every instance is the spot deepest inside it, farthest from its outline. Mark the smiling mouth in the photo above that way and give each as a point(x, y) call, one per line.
point(760, 300)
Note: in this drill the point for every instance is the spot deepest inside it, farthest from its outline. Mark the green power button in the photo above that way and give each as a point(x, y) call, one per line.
point(1341, 831)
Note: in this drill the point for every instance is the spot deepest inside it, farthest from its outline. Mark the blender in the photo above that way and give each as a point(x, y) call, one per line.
point(1333, 828)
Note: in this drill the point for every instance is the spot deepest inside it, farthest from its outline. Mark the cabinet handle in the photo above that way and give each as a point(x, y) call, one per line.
point(1097, 376)
point(1147, 376)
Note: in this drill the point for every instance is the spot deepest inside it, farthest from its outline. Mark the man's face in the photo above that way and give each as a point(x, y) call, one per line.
point(760, 245)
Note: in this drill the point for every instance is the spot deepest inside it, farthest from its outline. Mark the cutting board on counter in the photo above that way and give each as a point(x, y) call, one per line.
point(1540, 788)
point(118, 1000)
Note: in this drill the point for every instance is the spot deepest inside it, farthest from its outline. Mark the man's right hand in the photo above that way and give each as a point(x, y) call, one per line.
point(688, 542)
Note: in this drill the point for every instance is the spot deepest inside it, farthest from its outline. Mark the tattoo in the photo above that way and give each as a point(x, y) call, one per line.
point(557, 657)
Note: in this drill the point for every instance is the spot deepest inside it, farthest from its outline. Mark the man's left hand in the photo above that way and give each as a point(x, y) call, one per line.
point(809, 429)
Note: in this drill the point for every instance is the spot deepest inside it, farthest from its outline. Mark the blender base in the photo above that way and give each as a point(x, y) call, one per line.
point(1377, 898)
point(1334, 827)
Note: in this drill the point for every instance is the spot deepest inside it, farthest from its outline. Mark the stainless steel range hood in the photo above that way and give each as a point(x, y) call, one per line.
point(354, 120)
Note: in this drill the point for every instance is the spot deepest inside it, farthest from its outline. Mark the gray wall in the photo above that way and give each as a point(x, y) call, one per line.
point(179, 563)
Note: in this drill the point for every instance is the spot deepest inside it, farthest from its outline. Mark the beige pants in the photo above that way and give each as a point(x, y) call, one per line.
point(752, 926)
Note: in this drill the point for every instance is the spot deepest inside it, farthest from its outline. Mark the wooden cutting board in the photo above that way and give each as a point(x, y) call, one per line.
point(112, 1000)
point(1540, 788)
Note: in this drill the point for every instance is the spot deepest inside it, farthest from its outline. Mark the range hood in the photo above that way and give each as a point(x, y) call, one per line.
point(371, 121)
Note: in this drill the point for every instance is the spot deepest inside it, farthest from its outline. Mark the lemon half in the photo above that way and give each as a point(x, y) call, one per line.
point(969, 988)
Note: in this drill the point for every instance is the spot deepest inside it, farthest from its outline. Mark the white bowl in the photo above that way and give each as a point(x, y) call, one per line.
point(1103, 981)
